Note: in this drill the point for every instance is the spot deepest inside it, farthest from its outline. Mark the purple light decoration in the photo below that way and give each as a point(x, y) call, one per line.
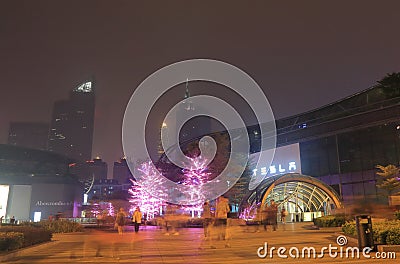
point(110, 209)
point(250, 212)
point(195, 177)
point(147, 193)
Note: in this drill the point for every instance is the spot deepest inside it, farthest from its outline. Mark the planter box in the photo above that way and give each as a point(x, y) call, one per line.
point(388, 248)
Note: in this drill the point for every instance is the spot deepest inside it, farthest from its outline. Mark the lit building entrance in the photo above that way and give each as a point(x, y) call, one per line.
point(304, 197)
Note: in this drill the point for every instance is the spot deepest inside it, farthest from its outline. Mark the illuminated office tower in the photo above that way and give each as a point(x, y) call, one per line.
point(71, 128)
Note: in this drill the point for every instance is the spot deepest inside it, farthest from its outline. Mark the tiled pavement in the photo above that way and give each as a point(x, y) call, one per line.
point(151, 245)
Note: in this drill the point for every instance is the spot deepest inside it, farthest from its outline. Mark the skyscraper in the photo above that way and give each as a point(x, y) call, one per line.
point(121, 172)
point(71, 128)
point(194, 125)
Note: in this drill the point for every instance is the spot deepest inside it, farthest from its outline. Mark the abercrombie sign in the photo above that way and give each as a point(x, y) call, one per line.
point(53, 203)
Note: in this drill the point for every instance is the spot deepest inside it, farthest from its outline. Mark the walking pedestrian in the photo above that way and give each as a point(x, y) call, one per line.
point(221, 215)
point(206, 218)
point(284, 213)
point(120, 220)
point(273, 215)
point(137, 219)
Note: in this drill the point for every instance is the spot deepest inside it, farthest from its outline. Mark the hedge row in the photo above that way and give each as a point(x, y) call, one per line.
point(11, 241)
point(330, 221)
point(61, 226)
point(387, 232)
point(397, 215)
point(58, 226)
point(11, 236)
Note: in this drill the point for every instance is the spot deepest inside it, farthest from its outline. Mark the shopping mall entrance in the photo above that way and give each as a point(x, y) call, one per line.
point(304, 197)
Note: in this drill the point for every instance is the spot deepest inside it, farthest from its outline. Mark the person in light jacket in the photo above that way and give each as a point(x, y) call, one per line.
point(137, 219)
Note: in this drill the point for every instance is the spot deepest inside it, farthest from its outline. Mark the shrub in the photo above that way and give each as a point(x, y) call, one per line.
point(349, 228)
point(329, 221)
point(31, 235)
point(11, 240)
point(387, 232)
point(397, 215)
point(61, 226)
point(393, 236)
point(194, 222)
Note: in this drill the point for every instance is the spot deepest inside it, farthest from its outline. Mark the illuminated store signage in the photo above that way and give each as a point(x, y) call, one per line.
point(286, 160)
point(53, 203)
point(277, 169)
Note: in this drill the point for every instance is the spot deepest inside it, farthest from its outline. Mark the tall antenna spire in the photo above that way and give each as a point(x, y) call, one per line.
point(187, 93)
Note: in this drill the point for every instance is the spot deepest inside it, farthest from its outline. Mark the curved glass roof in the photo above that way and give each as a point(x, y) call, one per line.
point(309, 192)
point(311, 197)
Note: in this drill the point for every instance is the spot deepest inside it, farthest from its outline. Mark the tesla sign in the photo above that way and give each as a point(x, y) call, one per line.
point(286, 160)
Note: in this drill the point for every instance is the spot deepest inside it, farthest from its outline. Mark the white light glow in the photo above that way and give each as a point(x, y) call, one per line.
point(4, 190)
point(37, 216)
point(286, 160)
point(85, 198)
point(85, 87)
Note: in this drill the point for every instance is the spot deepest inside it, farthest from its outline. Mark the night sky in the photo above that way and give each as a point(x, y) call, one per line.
point(304, 54)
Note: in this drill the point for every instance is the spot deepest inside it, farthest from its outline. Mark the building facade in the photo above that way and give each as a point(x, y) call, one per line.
point(339, 144)
point(121, 172)
point(35, 184)
point(72, 124)
point(342, 143)
point(107, 189)
point(29, 134)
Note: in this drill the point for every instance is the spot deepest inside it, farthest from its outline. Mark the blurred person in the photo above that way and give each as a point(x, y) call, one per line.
point(221, 218)
point(99, 219)
point(259, 218)
point(283, 213)
point(93, 243)
point(171, 220)
point(120, 220)
point(266, 217)
point(273, 215)
point(206, 218)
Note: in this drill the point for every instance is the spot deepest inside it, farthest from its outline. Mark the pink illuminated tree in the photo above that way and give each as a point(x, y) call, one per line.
point(195, 177)
point(147, 193)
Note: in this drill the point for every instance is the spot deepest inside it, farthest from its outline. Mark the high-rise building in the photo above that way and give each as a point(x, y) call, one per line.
point(121, 172)
point(29, 134)
point(194, 125)
point(87, 172)
point(71, 128)
point(98, 168)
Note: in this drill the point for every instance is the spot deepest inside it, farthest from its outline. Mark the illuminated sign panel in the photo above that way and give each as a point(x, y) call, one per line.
point(4, 190)
point(85, 88)
point(286, 160)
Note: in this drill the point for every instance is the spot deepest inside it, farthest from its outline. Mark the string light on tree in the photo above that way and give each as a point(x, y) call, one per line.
point(147, 193)
point(195, 178)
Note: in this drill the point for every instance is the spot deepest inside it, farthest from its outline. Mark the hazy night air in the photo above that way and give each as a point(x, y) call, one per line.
point(303, 54)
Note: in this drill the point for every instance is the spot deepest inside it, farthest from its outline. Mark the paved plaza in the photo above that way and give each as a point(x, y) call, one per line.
point(151, 245)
